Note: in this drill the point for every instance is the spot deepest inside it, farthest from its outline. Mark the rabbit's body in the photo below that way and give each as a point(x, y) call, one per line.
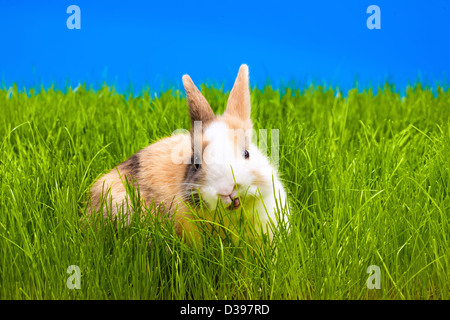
point(215, 161)
point(159, 180)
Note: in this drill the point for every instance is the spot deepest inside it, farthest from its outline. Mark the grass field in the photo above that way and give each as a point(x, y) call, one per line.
point(368, 178)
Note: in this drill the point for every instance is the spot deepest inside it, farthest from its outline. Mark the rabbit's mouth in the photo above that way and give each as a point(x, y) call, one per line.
point(235, 204)
point(230, 203)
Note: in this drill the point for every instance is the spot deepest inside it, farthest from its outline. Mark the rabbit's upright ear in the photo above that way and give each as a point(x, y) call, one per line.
point(238, 104)
point(199, 109)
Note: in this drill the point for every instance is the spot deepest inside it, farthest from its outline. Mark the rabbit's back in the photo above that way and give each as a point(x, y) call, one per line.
point(158, 171)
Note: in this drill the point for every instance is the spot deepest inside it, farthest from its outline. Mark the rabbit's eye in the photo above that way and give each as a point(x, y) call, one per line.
point(246, 154)
point(197, 164)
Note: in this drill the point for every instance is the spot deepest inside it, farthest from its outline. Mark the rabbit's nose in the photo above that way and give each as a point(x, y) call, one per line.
point(230, 201)
point(226, 191)
point(236, 203)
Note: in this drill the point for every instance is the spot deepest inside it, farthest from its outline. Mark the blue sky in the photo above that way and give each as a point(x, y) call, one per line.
point(148, 43)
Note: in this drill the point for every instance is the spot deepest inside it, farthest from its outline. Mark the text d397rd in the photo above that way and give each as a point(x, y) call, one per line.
point(228, 309)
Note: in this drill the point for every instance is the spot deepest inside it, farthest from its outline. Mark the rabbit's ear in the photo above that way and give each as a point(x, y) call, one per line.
point(238, 104)
point(199, 109)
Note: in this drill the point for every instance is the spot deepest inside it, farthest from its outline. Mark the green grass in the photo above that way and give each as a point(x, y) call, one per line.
point(368, 179)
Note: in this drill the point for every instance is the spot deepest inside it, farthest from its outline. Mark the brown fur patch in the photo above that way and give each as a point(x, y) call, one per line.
point(160, 180)
point(259, 180)
point(199, 109)
point(239, 101)
point(240, 131)
point(235, 122)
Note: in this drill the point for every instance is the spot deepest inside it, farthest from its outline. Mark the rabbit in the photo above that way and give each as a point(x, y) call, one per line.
point(210, 162)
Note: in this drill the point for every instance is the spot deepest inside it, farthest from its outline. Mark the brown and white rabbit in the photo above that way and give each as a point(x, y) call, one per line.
point(214, 158)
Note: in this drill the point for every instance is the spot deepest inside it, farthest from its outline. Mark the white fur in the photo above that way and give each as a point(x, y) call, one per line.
point(222, 162)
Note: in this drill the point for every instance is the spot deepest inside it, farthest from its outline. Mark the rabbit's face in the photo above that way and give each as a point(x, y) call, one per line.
point(232, 168)
point(227, 165)
point(224, 162)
